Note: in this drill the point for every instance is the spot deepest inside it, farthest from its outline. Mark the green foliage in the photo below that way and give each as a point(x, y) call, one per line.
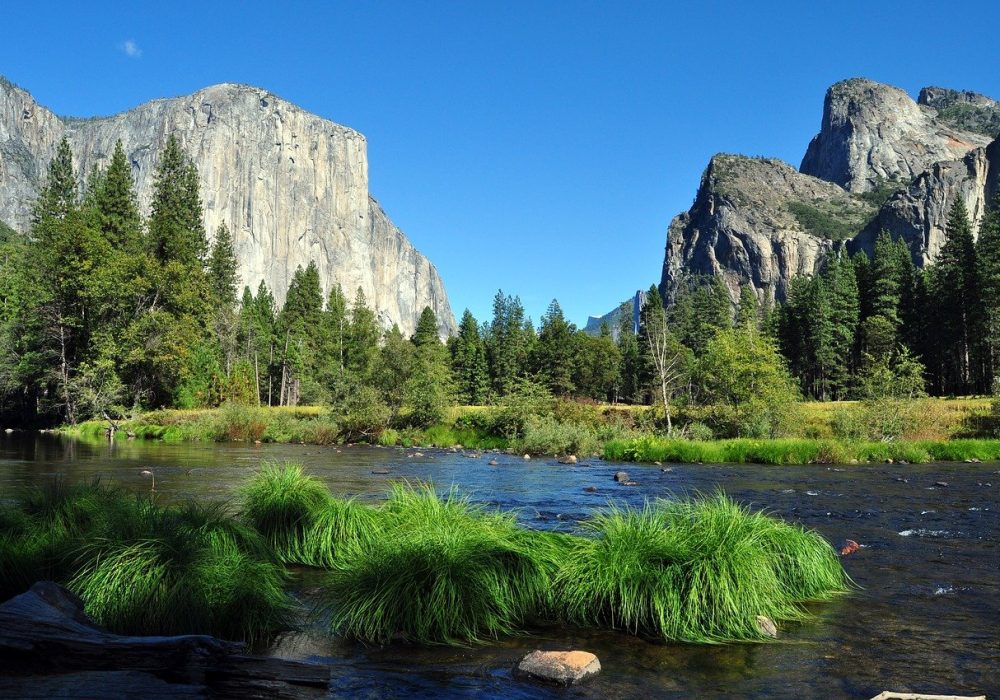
point(299, 518)
point(142, 568)
point(445, 572)
point(824, 220)
point(694, 571)
point(743, 377)
point(883, 190)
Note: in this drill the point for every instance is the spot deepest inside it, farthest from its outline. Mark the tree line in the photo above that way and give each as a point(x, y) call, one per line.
point(941, 321)
point(104, 312)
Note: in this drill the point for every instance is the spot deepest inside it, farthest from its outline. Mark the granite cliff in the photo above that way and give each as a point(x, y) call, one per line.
point(291, 186)
point(880, 161)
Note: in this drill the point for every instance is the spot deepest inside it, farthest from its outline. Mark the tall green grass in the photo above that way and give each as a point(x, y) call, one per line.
point(445, 571)
point(300, 519)
point(141, 568)
point(696, 571)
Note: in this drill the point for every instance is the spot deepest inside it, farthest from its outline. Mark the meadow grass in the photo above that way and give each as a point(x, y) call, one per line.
point(700, 570)
point(781, 451)
point(141, 568)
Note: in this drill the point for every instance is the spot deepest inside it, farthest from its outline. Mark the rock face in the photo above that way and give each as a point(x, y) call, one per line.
point(964, 110)
point(291, 186)
point(873, 132)
point(919, 213)
point(880, 161)
point(758, 221)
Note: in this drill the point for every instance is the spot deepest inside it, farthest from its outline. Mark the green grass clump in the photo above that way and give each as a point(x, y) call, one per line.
point(141, 568)
point(300, 519)
point(444, 572)
point(694, 571)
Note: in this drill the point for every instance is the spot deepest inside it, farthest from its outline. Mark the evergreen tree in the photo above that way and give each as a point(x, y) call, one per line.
point(362, 339)
point(427, 328)
point(468, 362)
point(844, 312)
point(988, 269)
point(957, 297)
point(222, 266)
point(628, 386)
point(176, 228)
point(58, 197)
point(117, 206)
point(747, 310)
point(555, 351)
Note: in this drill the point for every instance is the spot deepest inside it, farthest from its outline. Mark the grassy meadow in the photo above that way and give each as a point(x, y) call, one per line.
point(942, 430)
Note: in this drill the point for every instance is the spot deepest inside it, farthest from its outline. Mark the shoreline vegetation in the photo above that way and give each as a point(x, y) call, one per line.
point(615, 433)
point(423, 566)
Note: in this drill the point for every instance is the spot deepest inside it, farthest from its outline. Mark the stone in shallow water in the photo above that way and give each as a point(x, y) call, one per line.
point(560, 667)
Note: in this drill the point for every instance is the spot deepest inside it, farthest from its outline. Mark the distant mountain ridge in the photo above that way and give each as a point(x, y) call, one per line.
point(291, 186)
point(880, 161)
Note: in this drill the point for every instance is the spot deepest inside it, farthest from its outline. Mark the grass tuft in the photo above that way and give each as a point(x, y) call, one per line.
point(444, 572)
point(696, 571)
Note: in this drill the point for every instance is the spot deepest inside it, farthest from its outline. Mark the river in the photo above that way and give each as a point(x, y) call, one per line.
point(925, 618)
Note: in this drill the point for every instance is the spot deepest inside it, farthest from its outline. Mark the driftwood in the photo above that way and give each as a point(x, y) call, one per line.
point(50, 648)
point(889, 695)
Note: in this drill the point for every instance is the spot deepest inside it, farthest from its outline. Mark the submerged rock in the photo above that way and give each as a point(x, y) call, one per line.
point(766, 626)
point(849, 547)
point(559, 667)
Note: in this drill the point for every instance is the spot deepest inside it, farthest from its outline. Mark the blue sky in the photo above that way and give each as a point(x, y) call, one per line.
point(538, 147)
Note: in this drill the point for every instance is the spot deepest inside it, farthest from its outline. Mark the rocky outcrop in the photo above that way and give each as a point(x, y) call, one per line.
point(919, 214)
point(291, 186)
point(758, 221)
point(873, 132)
point(964, 110)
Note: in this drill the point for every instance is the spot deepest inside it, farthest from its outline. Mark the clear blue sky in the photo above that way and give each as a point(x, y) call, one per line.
point(541, 147)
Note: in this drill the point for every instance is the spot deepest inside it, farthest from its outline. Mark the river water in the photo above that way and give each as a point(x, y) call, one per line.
point(926, 616)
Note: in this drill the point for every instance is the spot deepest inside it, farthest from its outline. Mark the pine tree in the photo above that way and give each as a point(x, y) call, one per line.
point(427, 328)
point(554, 352)
point(747, 311)
point(468, 362)
point(222, 276)
point(59, 195)
point(958, 300)
point(176, 228)
point(117, 205)
point(362, 339)
point(988, 269)
point(844, 311)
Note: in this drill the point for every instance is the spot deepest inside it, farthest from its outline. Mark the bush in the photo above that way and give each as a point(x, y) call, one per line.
point(551, 437)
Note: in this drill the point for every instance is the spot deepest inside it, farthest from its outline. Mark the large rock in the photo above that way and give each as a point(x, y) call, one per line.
point(872, 132)
point(291, 186)
point(559, 667)
point(758, 221)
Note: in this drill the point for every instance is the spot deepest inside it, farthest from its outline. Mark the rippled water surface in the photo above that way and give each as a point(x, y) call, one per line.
point(926, 617)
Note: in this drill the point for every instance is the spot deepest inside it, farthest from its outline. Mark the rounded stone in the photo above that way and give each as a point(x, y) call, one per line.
point(558, 667)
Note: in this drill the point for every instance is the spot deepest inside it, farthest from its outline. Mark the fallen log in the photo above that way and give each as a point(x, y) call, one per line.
point(45, 636)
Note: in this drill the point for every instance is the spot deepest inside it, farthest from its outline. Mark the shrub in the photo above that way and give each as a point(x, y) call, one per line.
point(551, 437)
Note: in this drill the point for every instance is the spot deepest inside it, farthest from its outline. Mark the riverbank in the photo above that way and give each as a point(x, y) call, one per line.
point(612, 432)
